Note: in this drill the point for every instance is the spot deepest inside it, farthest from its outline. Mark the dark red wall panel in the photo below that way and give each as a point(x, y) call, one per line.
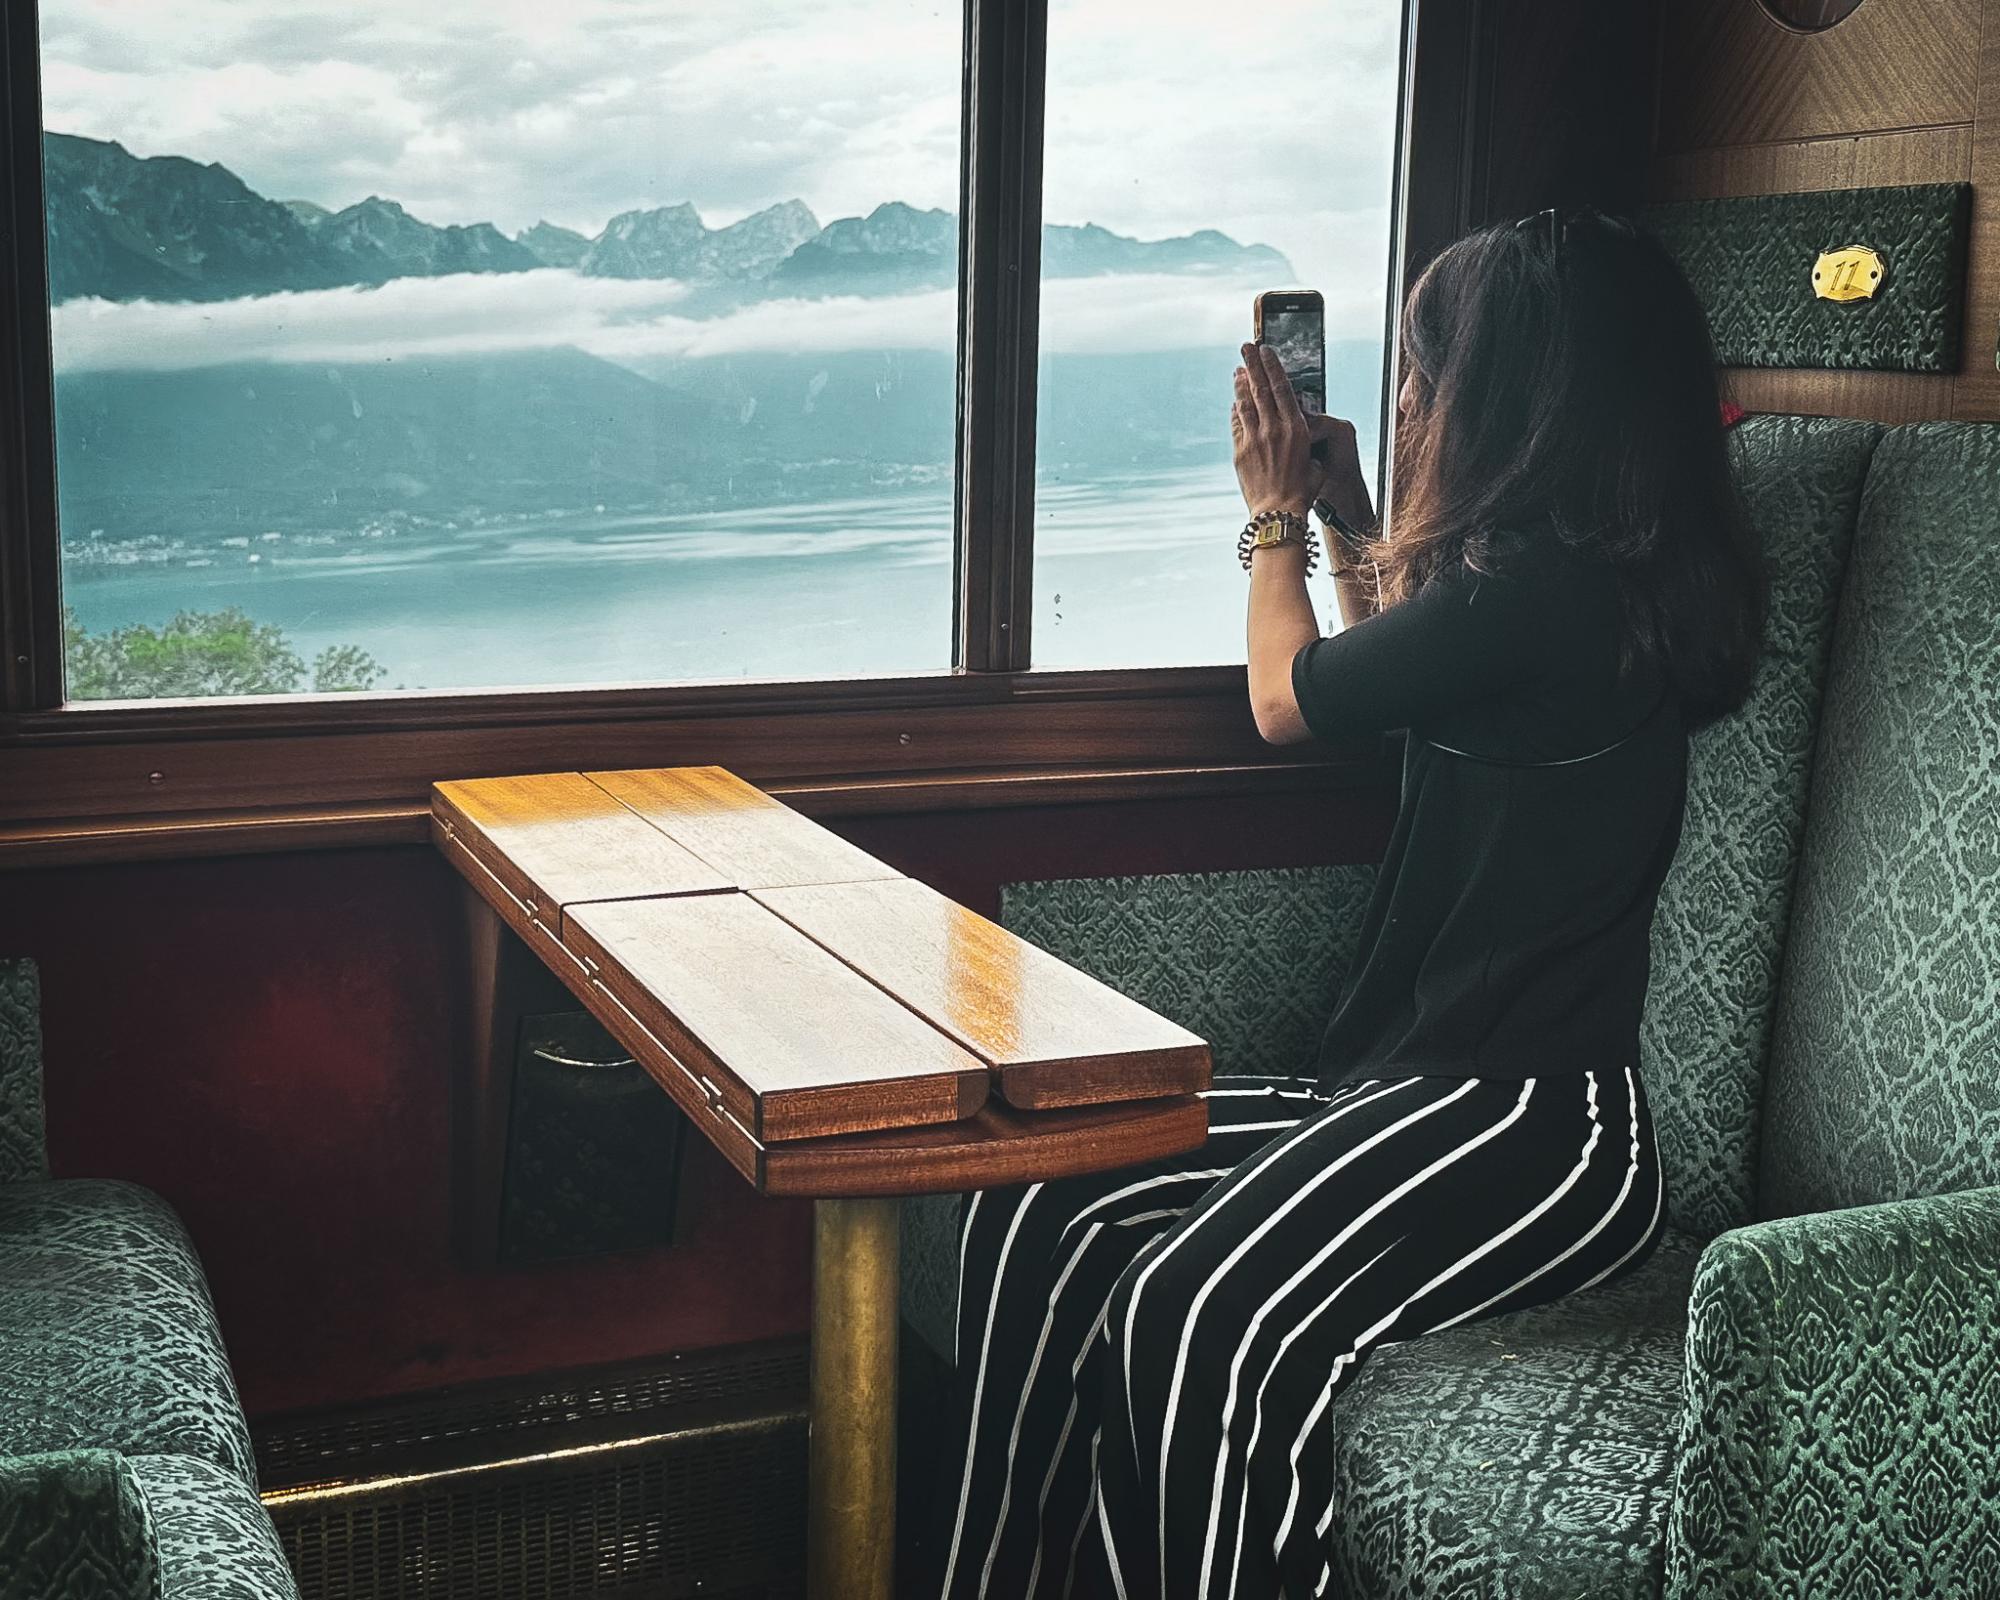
point(270, 1042)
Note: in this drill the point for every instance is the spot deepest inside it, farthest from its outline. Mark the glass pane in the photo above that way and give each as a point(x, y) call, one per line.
point(478, 343)
point(1195, 155)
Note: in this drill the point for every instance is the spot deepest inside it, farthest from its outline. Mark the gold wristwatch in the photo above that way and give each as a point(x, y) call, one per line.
point(1269, 528)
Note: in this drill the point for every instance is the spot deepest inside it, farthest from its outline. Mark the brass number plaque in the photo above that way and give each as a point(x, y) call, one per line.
point(1853, 272)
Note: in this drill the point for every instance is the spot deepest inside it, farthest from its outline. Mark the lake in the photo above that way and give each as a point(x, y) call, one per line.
point(1129, 571)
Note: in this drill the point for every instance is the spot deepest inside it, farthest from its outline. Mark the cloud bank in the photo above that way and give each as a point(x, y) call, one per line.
point(623, 320)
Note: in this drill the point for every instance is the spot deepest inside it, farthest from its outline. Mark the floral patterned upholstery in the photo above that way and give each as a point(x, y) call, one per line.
point(73, 1526)
point(1719, 931)
point(107, 1337)
point(1258, 1015)
point(1885, 1078)
point(22, 1150)
point(1843, 1431)
point(215, 1540)
point(1526, 1457)
point(1842, 1435)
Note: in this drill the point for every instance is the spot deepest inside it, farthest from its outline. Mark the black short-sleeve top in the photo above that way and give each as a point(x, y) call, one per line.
point(1508, 935)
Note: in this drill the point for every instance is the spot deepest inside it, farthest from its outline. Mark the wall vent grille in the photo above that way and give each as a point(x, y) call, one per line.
point(682, 1480)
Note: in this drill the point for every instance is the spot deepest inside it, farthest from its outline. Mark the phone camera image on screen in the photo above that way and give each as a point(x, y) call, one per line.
point(1299, 337)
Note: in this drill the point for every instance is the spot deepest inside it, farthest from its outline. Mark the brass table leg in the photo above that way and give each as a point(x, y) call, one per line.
point(851, 1500)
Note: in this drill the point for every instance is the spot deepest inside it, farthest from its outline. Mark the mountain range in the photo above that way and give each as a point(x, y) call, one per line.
point(126, 227)
point(205, 458)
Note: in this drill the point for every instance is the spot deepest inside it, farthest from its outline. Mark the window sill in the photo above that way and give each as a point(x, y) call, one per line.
point(151, 781)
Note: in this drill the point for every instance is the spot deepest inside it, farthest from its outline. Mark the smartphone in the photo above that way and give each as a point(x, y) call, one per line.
point(1293, 323)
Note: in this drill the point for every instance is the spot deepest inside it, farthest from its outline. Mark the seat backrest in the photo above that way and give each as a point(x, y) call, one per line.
point(1885, 1073)
point(1252, 961)
point(23, 1149)
point(1720, 928)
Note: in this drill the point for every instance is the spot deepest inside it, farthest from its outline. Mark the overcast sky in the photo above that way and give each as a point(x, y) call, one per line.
point(1272, 122)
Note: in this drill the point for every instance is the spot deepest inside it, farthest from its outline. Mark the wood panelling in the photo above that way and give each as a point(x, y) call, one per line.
point(1879, 396)
point(1978, 393)
point(200, 835)
point(271, 1045)
point(252, 1036)
point(162, 762)
point(1570, 115)
point(1903, 91)
point(1731, 74)
point(1843, 161)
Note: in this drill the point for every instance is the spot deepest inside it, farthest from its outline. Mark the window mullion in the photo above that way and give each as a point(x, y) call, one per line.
point(1000, 261)
point(30, 598)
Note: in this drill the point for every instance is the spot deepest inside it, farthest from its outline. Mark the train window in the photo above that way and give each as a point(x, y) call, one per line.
point(467, 345)
point(1194, 155)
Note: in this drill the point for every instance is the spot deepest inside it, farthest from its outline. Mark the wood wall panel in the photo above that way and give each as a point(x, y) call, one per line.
point(1847, 161)
point(1844, 161)
point(1878, 396)
point(1978, 394)
point(1904, 91)
point(1731, 74)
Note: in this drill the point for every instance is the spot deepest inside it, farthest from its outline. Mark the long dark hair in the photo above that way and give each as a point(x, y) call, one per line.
point(1566, 388)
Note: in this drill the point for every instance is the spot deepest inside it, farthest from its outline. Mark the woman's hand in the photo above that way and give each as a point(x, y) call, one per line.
point(1275, 439)
point(1274, 464)
point(1341, 484)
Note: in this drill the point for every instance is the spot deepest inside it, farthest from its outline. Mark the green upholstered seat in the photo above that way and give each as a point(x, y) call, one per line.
point(1535, 1455)
point(213, 1538)
point(1719, 931)
point(74, 1526)
point(125, 1465)
point(1203, 948)
point(1526, 1457)
point(1843, 1430)
point(23, 1151)
point(1886, 1070)
point(107, 1336)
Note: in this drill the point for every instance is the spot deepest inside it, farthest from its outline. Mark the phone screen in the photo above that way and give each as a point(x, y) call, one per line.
point(1299, 337)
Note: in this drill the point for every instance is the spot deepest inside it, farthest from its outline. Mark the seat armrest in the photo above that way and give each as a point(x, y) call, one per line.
point(74, 1524)
point(1842, 1429)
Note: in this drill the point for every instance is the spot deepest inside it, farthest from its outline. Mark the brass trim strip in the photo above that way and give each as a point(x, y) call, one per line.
point(351, 1488)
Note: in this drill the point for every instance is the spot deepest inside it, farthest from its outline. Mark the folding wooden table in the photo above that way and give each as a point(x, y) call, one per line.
point(838, 1031)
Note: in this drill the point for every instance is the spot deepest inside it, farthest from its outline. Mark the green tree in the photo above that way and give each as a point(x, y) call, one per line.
point(204, 653)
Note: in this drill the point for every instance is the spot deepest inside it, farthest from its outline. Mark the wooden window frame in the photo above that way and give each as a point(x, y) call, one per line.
point(151, 778)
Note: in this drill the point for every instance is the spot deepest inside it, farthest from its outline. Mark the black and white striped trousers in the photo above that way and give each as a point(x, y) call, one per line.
point(1146, 1358)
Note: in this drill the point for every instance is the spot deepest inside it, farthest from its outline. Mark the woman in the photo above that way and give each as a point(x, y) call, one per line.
point(1148, 1359)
